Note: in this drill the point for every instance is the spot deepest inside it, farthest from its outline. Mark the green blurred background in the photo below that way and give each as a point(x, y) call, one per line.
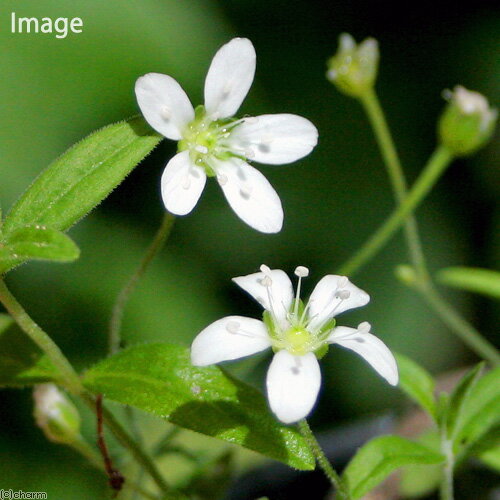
point(55, 91)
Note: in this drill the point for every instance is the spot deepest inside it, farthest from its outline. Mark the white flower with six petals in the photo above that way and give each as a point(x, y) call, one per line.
point(298, 335)
point(212, 143)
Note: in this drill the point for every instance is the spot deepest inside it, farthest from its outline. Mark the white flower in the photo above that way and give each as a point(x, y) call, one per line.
point(298, 335)
point(212, 143)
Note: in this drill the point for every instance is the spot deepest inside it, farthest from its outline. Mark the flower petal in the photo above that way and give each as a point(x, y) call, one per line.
point(182, 184)
point(164, 104)
point(250, 195)
point(276, 298)
point(293, 384)
point(371, 348)
point(275, 139)
point(229, 77)
point(333, 295)
point(229, 338)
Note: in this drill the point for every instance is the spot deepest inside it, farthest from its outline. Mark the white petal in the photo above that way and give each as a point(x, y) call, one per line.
point(334, 295)
point(371, 348)
point(276, 298)
point(182, 184)
point(250, 195)
point(275, 139)
point(293, 384)
point(164, 104)
point(229, 338)
point(230, 77)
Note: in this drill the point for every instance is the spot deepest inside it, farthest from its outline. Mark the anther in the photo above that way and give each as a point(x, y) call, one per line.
point(265, 269)
point(301, 272)
point(222, 179)
point(201, 149)
point(364, 327)
point(166, 113)
point(343, 294)
point(232, 326)
point(250, 120)
point(266, 281)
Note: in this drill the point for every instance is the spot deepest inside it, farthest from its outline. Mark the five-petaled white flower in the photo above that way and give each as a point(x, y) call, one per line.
point(212, 143)
point(298, 335)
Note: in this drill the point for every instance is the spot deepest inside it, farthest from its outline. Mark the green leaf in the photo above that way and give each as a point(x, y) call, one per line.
point(458, 398)
point(83, 176)
point(381, 456)
point(160, 379)
point(417, 383)
point(36, 243)
point(472, 279)
point(487, 449)
point(21, 362)
point(481, 410)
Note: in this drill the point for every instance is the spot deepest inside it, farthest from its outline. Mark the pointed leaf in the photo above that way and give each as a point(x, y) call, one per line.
point(36, 243)
point(381, 456)
point(481, 410)
point(459, 398)
point(417, 383)
point(160, 379)
point(83, 176)
point(483, 281)
point(21, 362)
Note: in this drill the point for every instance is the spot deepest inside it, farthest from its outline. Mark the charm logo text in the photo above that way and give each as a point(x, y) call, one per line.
point(60, 26)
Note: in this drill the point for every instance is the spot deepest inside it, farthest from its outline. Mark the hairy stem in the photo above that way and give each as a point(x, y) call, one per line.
point(322, 460)
point(396, 175)
point(69, 377)
point(156, 245)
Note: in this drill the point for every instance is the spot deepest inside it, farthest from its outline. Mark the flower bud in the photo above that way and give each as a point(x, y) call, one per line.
point(353, 69)
point(467, 123)
point(56, 415)
point(406, 274)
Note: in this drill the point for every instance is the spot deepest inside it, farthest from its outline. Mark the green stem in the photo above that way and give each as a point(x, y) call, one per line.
point(68, 376)
point(70, 379)
point(156, 245)
point(462, 328)
point(322, 460)
point(434, 168)
point(396, 175)
point(446, 487)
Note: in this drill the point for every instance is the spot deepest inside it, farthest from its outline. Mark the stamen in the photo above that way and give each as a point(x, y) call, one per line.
point(364, 327)
point(232, 326)
point(222, 179)
point(165, 113)
point(201, 149)
point(250, 120)
point(265, 269)
point(266, 281)
point(301, 272)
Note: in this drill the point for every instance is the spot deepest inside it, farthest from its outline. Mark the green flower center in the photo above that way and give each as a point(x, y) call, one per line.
point(206, 139)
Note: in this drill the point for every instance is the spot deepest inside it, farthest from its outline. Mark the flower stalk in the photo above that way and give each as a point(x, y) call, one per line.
point(154, 248)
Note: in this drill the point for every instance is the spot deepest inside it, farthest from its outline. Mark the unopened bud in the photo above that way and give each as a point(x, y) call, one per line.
point(56, 415)
point(467, 123)
point(406, 274)
point(353, 69)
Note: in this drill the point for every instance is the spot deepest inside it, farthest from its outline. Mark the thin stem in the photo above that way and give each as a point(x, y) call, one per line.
point(446, 487)
point(434, 168)
point(70, 379)
point(126, 440)
point(68, 376)
point(322, 460)
point(458, 325)
point(156, 245)
point(396, 175)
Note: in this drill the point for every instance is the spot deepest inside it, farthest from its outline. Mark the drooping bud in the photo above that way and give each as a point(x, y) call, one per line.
point(56, 415)
point(353, 69)
point(467, 123)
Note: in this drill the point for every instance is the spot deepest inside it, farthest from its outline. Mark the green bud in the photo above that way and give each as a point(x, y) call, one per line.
point(56, 415)
point(353, 69)
point(467, 123)
point(406, 274)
